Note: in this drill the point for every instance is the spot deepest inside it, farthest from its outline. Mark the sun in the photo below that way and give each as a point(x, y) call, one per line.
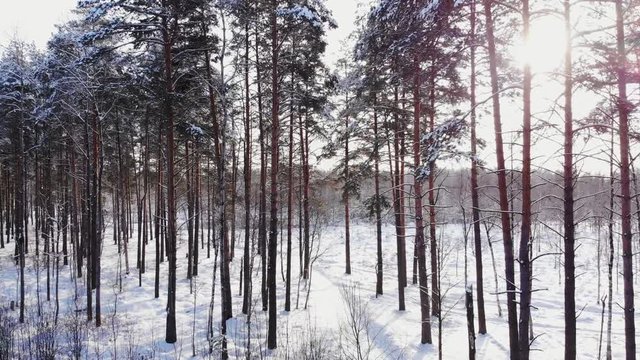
point(545, 50)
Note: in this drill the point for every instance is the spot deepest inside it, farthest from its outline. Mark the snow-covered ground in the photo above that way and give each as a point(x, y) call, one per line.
point(134, 322)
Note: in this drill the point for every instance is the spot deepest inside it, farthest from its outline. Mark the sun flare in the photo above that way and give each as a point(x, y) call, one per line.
point(546, 46)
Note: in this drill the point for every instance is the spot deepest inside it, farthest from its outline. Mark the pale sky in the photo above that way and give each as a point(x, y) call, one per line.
point(34, 20)
point(344, 13)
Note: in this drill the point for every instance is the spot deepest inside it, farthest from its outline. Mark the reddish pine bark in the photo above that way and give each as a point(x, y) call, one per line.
point(502, 186)
point(625, 188)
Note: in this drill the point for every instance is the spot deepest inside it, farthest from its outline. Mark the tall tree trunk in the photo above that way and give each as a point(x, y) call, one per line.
point(433, 244)
point(47, 216)
point(64, 222)
point(159, 216)
point(425, 319)
point(234, 195)
point(611, 247)
point(475, 196)
point(220, 143)
point(569, 232)
point(167, 37)
point(196, 208)
point(304, 148)
point(468, 303)
point(120, 191)
point(145, 210)
point(502, 187)
point(273, 228)
point(345, 195)
point(287, 295)
point(75, 199)
point(525, 229)
point(189, 185)
point(246, 302)
point(96, 220)
point(398, 203)
point(624, 108)
point(86, 219)
point(19, 198)
point(378, 209)
point(262, 207)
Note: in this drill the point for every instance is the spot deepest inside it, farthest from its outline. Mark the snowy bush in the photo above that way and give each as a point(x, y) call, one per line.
point(315, 344)
point(6, 335)
point(356, 334)
point(75, 334)
point(44, 339)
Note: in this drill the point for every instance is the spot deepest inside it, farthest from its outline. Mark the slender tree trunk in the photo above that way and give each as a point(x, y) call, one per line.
point(425, 337)
point(273, 228)
point(158, 217)
point(96, 220)
point(86, 218)
point(398, 191)
point(220, 152)
point(143, 201)
point(75, 198)
point(19, 186)
point(378, 209)
point(611, 249)
point(262, 207)
point(306, 243)
point(120, 207)
point(246, 302)
point(468, 301)
point(196, 208)
point(435, 287)
point(525, 230)
point(287, 296)
point(624, 108)
point(475, 196)
point(47, 216)
point(234, 193)
point(167, 37)
point(64, 222)
point(569, 236)
point(345, 195)
point(189, 185)
point(502, 187)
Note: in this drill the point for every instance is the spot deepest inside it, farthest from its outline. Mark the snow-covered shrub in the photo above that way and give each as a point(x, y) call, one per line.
point(314, 344)
point(75, 334)
point(7, 324)
point(44, 339)
point(357, 336)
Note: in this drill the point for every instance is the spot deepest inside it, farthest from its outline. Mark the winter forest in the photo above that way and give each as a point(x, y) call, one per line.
point(199, 179)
